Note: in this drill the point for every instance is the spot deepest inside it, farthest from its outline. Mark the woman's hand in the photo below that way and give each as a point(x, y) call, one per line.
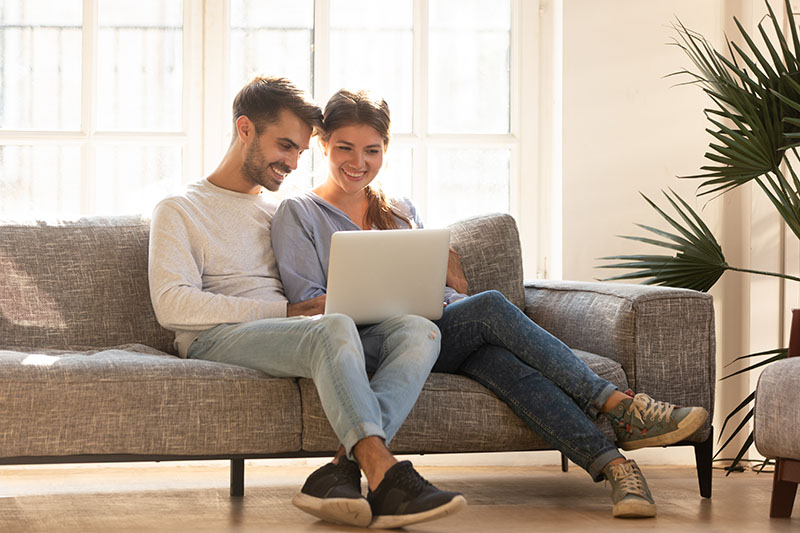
point(455, 273)
point(314, 306)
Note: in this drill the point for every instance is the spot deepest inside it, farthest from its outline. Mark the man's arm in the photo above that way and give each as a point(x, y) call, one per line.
point(314, 306)
point(175, 276)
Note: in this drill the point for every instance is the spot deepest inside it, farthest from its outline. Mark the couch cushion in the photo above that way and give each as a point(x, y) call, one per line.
point(77, 284)
point(122, 402)
point(777, 417)
point(453, 414)
point(491, 255)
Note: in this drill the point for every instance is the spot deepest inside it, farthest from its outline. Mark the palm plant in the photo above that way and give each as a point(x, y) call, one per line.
point(755, 126)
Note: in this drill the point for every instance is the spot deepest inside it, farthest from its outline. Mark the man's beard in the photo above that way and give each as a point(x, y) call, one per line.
point(256, 169)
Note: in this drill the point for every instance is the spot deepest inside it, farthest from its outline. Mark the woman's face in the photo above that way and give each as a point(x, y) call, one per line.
point(355, 155)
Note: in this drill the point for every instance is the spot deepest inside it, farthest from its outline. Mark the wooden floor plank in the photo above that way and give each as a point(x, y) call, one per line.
point(194, 497)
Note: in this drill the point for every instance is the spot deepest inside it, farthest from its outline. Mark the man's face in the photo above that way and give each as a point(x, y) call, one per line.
point(274, 153)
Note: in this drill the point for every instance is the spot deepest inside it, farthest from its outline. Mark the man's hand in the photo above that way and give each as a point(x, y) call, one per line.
point(314, 306)
point(455, 273)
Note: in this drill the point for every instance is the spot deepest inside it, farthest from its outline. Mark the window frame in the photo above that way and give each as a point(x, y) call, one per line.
point(88, 137)
point(206, 125)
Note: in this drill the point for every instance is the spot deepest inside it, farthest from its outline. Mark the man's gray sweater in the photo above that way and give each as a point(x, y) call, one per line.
point(211, 261)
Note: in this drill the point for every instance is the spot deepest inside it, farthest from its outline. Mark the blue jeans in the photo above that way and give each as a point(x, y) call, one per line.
point(489, 339)
point(334, 353)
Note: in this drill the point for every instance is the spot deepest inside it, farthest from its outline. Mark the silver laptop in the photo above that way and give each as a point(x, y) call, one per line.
point(376, 275)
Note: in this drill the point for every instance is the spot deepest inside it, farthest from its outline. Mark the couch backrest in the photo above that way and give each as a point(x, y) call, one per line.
point(77, 284)
point(83, 284)
point(491, 255)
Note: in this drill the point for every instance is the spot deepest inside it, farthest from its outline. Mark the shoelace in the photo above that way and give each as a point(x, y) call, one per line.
point(644, 406)
point(410, 480)
point(629, 479)
point(345, 472)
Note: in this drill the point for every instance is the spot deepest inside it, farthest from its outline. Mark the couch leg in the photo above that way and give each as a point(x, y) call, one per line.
point(703, 454)
point(564, 463)
point(784, 487)
point(237, 477)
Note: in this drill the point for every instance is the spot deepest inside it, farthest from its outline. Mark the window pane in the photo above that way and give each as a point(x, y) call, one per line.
point(140, 65)
point(468, 74)
point(40, 64)
point(271, 37)
point(465, 183)
point(372, 48)
point(40, 180)
point(396, 175)
point(132, 179)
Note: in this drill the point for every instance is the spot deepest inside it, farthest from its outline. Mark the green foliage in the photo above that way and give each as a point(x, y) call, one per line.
point(755, 126)
point(698, 264)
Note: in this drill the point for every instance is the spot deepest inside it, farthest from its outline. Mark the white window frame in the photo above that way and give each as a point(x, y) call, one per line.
point(526, 189)
point(88, 137)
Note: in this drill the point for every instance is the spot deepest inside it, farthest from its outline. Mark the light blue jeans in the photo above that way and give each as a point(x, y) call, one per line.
point(337, 355)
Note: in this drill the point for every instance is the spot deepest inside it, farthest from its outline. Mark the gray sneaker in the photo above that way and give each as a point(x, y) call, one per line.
point(642, 421)
point(629, 491)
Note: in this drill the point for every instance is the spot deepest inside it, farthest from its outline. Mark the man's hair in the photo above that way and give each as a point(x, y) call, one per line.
point(263, 98)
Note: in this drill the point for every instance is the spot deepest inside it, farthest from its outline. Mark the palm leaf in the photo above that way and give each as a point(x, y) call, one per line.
point(736, 431)
point(792, 27)
point(753, 145)
point(756, 365)
point(742, 451)
point(698, 263)
point(783, 351)
point(784, 198)
point(788, 57)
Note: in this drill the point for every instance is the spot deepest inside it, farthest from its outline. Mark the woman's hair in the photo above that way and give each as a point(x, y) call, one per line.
point(262, 99)
point(347, 108)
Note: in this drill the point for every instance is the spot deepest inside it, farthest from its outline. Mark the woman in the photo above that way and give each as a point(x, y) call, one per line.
point(484, 336)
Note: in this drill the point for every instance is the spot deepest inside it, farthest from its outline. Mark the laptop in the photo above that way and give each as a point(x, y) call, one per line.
point(376, 275)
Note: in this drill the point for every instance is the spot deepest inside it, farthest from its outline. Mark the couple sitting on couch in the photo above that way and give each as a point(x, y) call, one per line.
point(223, 264)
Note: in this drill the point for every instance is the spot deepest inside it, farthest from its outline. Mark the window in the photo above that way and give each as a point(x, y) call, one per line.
point(108, 105)
point(444, 67)
point(95, 105)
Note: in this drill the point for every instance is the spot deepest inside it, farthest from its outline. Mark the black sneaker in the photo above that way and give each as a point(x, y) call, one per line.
point(333, 493)
point(404, 497)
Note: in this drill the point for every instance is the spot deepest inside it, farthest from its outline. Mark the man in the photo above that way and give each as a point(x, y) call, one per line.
point(213, 280)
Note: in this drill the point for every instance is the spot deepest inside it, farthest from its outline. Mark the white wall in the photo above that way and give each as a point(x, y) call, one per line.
point(627, 129)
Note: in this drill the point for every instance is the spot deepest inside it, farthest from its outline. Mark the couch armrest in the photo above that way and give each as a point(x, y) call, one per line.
point(663, 337)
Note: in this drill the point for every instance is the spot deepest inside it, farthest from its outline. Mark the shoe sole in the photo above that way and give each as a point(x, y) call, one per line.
point(686, 427)
point(634, 510)
point(401, 520)
point(344, 511)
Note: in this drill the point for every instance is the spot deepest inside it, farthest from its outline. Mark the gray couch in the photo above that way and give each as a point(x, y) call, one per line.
point(88, 375)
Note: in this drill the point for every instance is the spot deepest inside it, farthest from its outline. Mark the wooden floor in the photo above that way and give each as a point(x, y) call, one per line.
point(194, 497)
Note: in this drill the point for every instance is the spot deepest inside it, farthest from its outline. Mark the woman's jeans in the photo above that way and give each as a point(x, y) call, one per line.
point(489, 339)
point(334, 353)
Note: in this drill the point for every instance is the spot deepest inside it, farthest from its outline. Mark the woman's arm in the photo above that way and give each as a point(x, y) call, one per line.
point(299, 263)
